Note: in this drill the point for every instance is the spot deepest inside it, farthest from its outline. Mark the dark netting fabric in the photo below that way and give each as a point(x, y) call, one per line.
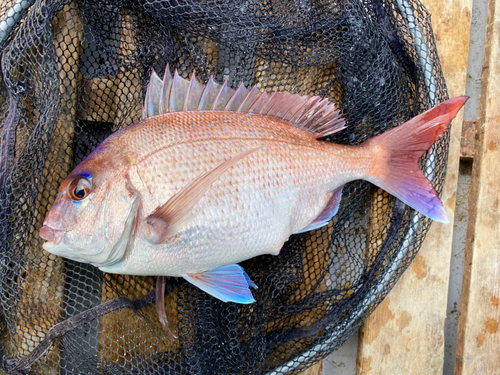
point(74, 72)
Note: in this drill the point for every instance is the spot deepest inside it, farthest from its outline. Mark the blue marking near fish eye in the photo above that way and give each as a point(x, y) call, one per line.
point(85, 174)
point(77, 202)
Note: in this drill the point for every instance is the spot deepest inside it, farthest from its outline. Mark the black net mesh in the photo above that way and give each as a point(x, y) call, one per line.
point(74, 72)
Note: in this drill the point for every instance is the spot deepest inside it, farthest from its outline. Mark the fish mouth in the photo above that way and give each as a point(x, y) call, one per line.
point(51, 235)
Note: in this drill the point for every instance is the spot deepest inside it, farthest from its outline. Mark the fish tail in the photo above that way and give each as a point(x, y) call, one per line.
point(398, 152)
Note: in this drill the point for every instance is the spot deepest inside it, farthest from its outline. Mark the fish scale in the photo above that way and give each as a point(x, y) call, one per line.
point(194, 193)
point(250, 195)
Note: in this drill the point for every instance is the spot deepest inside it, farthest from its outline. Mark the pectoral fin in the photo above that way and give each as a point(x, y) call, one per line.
point(328, 212)
point(228, 283)
point(176, 213)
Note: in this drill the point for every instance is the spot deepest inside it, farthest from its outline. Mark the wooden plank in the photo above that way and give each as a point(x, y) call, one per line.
point(478, 340)
point(317, 369)
point(405, 334)
point(468, 143)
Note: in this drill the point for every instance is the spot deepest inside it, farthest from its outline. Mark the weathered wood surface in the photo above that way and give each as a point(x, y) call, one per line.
point(405, 334)
point(478, 343)
point(468, 144)
point(317, 369)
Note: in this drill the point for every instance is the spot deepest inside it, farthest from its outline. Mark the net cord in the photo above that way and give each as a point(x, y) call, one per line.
point(62, 328)
point(430, 82)
point(7, 24)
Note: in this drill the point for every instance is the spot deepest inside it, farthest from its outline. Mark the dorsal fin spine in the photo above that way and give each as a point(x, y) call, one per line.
point(240, 93)
point(177, 93)
point(298, 104)
point(255, 108)
point(318, 114)
point(165, 92)
point(266, 107)
point(291, 105)
point(191, 85)
point(172, 94)
point(313, 105)
point(218, 95)
point(252, 96)
point(193, 94)
point(302, 109)
point(208, 93)
point(279, 103)
point(223, 97)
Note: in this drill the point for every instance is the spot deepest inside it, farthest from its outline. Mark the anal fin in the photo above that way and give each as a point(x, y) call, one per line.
point(328, 212)
point(228, 283)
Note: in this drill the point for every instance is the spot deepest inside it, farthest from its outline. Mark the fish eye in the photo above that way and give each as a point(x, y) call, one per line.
point(80, 188)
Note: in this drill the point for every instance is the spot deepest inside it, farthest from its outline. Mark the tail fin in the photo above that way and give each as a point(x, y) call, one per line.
point(398, 172)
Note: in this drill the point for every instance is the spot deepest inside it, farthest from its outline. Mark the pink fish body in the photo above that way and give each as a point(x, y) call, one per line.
point(193, 189)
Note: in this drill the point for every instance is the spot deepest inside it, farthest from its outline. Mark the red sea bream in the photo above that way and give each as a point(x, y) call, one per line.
point(213, 176)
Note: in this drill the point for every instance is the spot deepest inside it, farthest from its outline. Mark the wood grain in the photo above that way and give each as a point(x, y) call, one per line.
point(468, 144)
point(405, 333)
point(317, 369)
point(478, 341)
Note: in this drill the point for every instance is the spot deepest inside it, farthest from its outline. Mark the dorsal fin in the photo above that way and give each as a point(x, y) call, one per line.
point(176, 94)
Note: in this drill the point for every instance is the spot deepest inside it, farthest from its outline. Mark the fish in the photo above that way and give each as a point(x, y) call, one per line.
point(212, 176)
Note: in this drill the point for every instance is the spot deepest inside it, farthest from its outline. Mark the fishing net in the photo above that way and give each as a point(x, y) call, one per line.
point(74, 72)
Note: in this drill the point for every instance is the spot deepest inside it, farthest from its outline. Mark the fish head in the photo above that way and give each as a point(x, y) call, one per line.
point(92, 219)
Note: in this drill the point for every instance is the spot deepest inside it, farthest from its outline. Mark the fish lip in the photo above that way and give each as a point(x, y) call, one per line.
point(51, 235)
